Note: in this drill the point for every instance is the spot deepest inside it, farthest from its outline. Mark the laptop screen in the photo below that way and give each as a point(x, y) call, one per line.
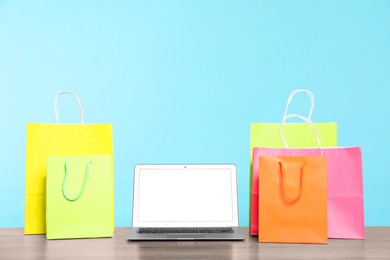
point(185, 196)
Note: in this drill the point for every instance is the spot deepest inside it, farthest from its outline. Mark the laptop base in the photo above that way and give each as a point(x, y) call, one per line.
point(135, 236)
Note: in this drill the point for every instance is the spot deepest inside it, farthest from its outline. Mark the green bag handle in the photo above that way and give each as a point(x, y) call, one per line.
point(285, 196)
point(82, 188)
point(309, 93)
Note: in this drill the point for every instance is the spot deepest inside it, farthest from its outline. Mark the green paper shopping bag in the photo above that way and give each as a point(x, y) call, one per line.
point(299, 135)
point(79, 197)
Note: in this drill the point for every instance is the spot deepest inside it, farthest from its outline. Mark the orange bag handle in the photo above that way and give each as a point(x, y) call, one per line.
point(285, 196)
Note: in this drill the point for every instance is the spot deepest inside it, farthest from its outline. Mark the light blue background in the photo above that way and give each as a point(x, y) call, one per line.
point(181, 81)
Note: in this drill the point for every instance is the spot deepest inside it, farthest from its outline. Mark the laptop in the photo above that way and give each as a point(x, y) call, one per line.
point(185, 202)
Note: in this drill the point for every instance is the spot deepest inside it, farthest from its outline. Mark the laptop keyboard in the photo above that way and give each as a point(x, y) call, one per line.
point(185, 230)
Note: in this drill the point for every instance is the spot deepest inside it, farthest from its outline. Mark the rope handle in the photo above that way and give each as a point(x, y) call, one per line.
point(78, 102)
point(285, 196)
point(82, 188)
point(308, 121)
point(309, 93)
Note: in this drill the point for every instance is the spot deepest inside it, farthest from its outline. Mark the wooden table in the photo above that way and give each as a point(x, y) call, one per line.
point(15, 245)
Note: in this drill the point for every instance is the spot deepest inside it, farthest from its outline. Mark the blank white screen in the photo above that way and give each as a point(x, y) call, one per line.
point(185, 195)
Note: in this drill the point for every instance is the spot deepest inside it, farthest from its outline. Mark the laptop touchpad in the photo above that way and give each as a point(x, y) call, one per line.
point(185, 236)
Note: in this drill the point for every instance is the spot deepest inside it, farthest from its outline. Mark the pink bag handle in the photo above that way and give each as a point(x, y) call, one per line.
point(309, 93)
point(285, 196)
point(78, 102)
point(308, 121)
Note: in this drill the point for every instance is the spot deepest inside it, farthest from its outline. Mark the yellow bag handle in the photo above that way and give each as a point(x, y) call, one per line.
point(78, 102)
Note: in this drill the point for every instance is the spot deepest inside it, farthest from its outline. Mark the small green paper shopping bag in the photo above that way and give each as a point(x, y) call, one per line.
point(79, 197)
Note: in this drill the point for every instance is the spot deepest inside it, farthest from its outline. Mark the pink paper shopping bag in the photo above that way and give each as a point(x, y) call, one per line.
point(345, 186)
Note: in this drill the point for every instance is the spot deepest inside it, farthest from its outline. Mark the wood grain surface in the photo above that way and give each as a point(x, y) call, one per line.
point(15, 245)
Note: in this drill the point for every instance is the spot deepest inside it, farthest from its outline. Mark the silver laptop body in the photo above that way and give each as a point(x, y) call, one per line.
point(185, 202)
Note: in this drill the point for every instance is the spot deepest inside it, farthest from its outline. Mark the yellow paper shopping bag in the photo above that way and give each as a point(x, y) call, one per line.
point(45, 140)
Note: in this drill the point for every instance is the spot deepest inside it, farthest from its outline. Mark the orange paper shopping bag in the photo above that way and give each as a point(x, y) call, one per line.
point(293, 199)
